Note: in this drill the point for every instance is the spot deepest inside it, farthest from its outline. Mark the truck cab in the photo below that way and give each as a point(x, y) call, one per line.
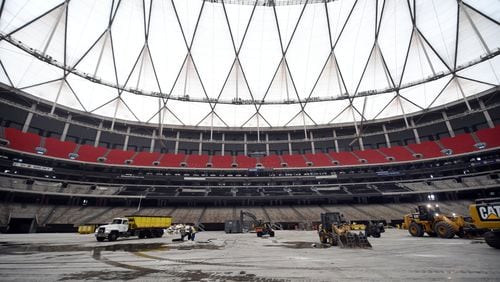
point(118, 227)
point(121, 224)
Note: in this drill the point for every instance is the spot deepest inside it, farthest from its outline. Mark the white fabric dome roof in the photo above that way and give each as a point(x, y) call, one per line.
point(247, 63)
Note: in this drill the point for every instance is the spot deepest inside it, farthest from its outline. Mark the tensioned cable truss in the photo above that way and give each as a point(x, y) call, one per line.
point(252, 64)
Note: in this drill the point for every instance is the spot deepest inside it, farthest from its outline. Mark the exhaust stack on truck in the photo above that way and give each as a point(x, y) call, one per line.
point(142, 226)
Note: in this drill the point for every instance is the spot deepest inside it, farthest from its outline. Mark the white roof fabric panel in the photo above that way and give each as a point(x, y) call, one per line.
point(250, 64)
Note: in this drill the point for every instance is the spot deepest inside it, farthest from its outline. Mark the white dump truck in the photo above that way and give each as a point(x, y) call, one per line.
point(141, 226)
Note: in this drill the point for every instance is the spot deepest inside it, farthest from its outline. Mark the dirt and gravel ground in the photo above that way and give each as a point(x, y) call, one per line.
point(216, 256)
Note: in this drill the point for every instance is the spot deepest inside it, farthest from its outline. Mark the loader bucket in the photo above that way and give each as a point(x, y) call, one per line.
point(353, 240)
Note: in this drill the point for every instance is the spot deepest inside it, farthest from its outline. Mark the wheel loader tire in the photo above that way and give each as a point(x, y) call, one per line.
point(334, 241)
point(444, 230)
point(416, 230)
point(323, 238)
point(431, 233)
point(492, 239)
point(100, 239)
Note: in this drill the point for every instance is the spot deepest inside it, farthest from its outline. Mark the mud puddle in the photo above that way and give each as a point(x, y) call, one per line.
point(301, 245)
point(8, 248)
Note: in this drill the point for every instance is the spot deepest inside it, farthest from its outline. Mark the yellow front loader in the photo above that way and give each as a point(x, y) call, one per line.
point(334, 230)
point(485, 215)
point(429, 219)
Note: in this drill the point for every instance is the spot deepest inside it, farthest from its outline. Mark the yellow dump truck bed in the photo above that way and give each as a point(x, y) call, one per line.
point(148, 221)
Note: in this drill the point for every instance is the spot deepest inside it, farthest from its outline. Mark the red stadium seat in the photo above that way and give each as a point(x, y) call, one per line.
point(21, 141)
point(198, 161)
point(490, 136)
point(272, 161)
point(460, 144)
point(399, 153)
point(371, 156)
point(118, 156)
point(89, 153)
point(428, 149)
point(222, 161)
point(246, 162)
point(319, 159)
point(59, 149)
point(146, 158)
point(172, 160)
point(294, 160)
point(345, 158)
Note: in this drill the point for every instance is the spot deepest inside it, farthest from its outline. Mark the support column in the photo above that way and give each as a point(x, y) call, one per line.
point(153, 138)
point(387, 140)
point(98, 135)
point(415, 132)
point(127, 136)
point(66, 128)
point(313, 148)
point(177, 137)
point(448, 124)
point(335, 141)
point(289, 144)
point(200, 145)
point(27, 122)
point(245, 144)
point(486, 114)
point(267, 144)
point(360, 140)
point(223, 147)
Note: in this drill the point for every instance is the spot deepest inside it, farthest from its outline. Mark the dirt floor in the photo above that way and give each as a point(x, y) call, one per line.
point(216, 256)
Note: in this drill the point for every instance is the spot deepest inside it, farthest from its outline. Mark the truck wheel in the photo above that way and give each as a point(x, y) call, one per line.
point(444, 230)
point(259, 234)
point(271, 233)
point(112, 237)
point(141, 235)
point(492, 239)
point(416, 230)
point(159, 233)
point(100, 239)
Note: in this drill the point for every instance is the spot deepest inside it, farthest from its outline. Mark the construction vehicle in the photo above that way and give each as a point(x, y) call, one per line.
point(141, 226)
point(336, 231)
point(429, 219)
point(260, 227)
point(374, 229)
point(485, 216)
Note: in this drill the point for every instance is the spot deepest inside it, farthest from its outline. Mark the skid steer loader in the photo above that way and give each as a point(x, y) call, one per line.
point(429, 219)
point(334, 230)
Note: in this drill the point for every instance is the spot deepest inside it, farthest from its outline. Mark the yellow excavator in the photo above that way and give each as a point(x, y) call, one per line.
point(336, 231)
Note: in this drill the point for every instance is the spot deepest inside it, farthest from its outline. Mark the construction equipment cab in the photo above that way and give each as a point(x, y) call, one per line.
point(141, 226)
point(429, 219)
point(336, 231)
